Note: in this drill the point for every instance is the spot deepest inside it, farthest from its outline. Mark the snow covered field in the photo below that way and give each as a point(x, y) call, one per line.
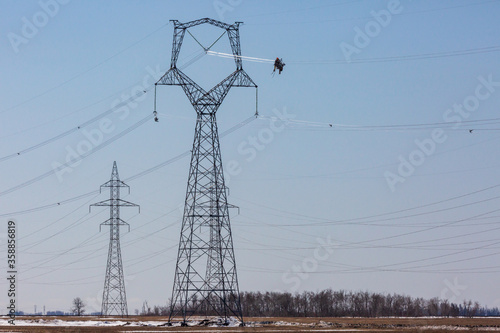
point(160, 324)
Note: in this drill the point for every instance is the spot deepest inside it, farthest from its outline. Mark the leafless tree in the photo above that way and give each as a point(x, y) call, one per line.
point(445, 308)
point(78, 306)
point(475, 309)
point(433, 306)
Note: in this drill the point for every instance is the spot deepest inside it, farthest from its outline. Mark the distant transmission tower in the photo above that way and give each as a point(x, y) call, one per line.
point(205, 281)
point(114, 299)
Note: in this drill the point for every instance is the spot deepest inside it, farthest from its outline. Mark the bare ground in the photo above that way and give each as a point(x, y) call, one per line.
point(260, 324)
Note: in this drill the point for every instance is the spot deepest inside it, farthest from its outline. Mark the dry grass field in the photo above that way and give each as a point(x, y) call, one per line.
point(157, 324)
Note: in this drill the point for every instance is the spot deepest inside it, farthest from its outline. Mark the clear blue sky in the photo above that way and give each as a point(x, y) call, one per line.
point(402, 84)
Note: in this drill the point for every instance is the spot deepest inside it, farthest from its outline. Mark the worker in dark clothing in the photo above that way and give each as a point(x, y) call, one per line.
point(278, 64)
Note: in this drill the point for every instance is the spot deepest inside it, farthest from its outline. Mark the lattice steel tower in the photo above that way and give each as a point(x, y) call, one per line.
point(114, 299)
point(205, 281)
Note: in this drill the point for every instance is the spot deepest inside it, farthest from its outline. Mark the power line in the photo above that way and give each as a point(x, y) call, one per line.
point(380, 267)
point(40, 264)
point(367, 17)
point(84, 72)
point(303, 9)
point(409, 57)
point(77, 159)
point(323, 221)
point(405, 127)
point(52, 205)
point(188, 152)
point(79, 221)
point(139, 94)
point(89, 255)
point(136, 176)
point(403, 245)
point(74, 129)
point(74, 224)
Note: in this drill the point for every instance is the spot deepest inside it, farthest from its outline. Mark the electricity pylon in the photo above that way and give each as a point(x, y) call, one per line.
point(206, 281)
point(114, 299)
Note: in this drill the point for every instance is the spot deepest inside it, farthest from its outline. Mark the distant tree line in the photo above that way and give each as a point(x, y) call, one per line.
point(330, 303)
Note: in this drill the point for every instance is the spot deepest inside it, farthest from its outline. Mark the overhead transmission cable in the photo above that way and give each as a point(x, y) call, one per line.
point(349, 245)
point(412, 269)
point(475, 192)
point(303, 9)
point(395, 218)
point(79, 221)
point(138, 175)
point(188, 152)
point(89, 255)
point(198, 55)
point(86, 70)
point(139, 94)
point(74, 129)
point(60, 219)
point(79, 158)
point(82, 156)
point(325, 220)
point(360, 17)
point(424, 230)
point(310, 247)
point(264, 60)
point(445, 54)
point(384, 267)
point(405, 127)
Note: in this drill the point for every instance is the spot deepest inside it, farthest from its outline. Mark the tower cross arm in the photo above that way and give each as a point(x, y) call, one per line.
point(216, 23)
point(243, 80)
point(175, 77)
point(115, 183)
point(114, 222)
point(115, 202)
point(238, 78)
